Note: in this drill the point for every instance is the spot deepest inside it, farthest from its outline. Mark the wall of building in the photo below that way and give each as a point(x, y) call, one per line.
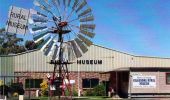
point(6, 68)
point(141, 61)
point(6, 64)
point(111, 60)
point(36, 64)
point(73, 76)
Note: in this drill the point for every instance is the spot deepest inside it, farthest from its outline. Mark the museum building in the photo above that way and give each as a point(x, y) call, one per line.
point(128, 75)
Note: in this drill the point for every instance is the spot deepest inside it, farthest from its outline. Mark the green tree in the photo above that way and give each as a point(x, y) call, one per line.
point(30, 45)
point(9, 43)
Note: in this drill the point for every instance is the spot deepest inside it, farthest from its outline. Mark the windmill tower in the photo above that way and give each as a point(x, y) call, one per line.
point(64, 29)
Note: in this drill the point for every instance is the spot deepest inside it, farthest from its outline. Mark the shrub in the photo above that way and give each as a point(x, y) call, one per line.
point(75, 93)
point(17, 88)
point(1, 82)
point(44, 88)
point(89, 92)
point(4, 89)
point(98, 90)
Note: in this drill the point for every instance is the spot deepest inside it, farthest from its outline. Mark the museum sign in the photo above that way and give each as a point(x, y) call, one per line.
point(89, 62)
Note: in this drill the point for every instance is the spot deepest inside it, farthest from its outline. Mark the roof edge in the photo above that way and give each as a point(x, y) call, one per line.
point(29, 51)
point(131, 54)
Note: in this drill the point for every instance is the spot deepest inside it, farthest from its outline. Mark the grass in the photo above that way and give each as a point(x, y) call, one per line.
point(97, 98)
point(79, 98)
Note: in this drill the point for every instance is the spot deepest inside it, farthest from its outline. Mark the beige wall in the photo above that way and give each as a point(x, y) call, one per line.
point(111, 60)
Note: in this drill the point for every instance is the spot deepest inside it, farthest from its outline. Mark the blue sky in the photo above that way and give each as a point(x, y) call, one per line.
point(139, 27)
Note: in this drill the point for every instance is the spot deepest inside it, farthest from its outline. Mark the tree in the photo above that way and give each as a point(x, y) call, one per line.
point(4, 89)
point(2, 30)
point(17, 88)
point(30, 45)
point(9, 43)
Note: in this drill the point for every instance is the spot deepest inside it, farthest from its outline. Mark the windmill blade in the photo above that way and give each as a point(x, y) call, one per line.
point(87, 26)
point(41, 14)
point(56, 2)
point(47, 3)
point(52, 50)
point(89, 34)
point(38, 19)
point(81, 45)
point(89, 18)
point(49, 47)
point(36, 3)
point(36, 28)
point(38, 24)
point(85, 40)
point(71, 55)
point(43, 43)
point(81, 6)
point(87, 11)
point(69, 1)
point(55, 52)
point(75, 4)
point(37, 31)
point(75, 49)
point(44, 9)
point(64, 3)
point(40, 36)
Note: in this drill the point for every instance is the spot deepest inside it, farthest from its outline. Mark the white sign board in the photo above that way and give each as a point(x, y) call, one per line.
point(144, 81)
point(67, 82)
point(17, 20)
point(72, 81)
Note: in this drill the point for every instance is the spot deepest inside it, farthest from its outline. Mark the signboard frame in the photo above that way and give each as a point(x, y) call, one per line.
point(142, 81)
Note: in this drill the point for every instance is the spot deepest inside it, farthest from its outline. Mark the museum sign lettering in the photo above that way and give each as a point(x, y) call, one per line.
point(17, 20)
point(89, 62)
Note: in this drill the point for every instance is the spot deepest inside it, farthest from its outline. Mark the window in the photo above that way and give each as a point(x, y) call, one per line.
point(168, 78)
point(33, 83)
point(90, 83)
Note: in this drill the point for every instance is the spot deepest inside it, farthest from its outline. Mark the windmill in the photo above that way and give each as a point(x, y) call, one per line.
point(64, 29)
